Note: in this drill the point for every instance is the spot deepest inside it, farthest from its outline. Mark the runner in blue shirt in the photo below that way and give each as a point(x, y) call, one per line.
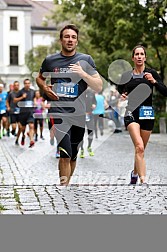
point(99, 110)
point(3, 114)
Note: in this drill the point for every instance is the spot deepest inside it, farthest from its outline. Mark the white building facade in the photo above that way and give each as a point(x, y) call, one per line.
point(21, 29)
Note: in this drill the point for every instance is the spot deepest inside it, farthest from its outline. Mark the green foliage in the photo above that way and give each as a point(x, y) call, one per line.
point(159, 103)
point(120, 25)
point(2, 208)
point(34, 58)
point(157, 118)
point(109, 29)
point(115, 27)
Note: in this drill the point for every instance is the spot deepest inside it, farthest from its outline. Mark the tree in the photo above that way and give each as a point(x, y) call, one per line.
point(34, 58)
point(62, 16)
point(109, 29)
point(117, 26)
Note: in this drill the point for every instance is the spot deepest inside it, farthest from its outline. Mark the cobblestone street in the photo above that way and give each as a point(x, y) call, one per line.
point(29, 178)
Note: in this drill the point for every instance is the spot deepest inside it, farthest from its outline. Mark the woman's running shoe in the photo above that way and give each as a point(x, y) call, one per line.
point(133, 179)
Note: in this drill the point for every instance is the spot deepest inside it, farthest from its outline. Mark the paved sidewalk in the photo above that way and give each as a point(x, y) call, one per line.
point(29, 178)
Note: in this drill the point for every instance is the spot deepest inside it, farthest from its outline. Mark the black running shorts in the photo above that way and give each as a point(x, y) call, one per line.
point(26, 118)
point(146, 124)
point(69, 135)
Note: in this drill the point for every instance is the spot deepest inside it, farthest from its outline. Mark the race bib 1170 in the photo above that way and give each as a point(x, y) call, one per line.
point(67, 89)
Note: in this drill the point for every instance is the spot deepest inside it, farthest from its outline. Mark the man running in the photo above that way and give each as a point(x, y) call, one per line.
point(25, 100)
point(71, 73)
point(14, 111)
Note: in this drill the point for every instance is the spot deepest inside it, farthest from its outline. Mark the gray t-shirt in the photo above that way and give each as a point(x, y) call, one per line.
point(14, 109)
point(68, 86)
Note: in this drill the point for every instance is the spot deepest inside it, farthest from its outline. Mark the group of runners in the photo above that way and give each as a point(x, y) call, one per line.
point(71, 73)
point(17, 109)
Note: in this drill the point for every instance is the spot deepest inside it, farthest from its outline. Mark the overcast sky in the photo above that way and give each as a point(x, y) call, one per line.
point(142, 1)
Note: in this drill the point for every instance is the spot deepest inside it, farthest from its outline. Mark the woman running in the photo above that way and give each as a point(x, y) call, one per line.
point(139, 115)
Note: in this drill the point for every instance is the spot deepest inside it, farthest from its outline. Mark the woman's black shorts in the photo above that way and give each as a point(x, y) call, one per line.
point(146, 124)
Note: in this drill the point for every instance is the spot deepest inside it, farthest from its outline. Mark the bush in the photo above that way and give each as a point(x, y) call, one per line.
point(157, 117)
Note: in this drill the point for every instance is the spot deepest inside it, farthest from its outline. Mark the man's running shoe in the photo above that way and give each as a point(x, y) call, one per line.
point(3, 132)
point(134, 179)
point(42, 138)
point(82, 154)
point(32, 143)
point(52, 141)
point(23, 140)
point(58, 154)
point(0, 135)
point(91, 153)
point(13, 132)
point(36, 137)
point(17, 143)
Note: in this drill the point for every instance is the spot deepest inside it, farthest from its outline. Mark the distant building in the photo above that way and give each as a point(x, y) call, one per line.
point(21, 29)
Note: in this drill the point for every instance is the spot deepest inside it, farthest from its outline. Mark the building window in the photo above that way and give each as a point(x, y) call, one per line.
point(13, 23)
point(14, 55)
